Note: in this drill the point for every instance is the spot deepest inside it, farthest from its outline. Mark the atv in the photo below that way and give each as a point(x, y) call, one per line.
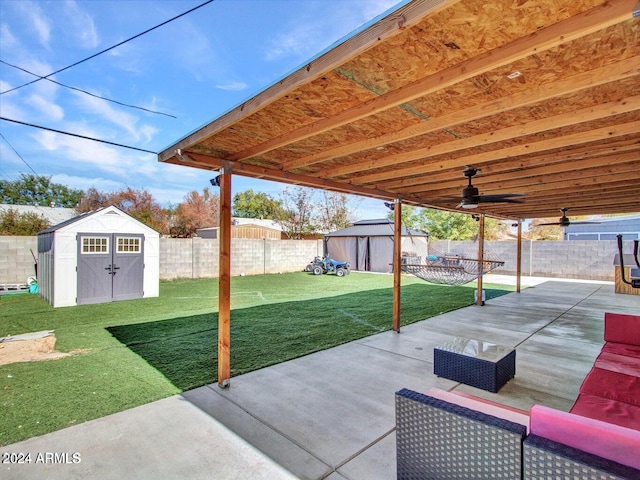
point(328, 265)
point(317, 261)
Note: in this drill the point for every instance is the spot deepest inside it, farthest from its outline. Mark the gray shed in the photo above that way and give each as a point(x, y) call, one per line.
point(606, 229)
point(97, 257)
point(368, 245)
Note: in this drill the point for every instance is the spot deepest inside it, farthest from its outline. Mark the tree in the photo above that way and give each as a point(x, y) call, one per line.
point(140, 204)
point(250, 204)
point(196, 211)
point(444, 225)
point(296, 217)
point(14, 223)
point(38, 190)
point(547, 232)
point(335, 212)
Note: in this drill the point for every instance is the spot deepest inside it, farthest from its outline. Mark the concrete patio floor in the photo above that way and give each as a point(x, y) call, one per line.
point(330, 415)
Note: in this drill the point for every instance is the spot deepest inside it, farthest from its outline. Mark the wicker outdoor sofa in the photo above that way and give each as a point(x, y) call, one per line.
point(449, 435)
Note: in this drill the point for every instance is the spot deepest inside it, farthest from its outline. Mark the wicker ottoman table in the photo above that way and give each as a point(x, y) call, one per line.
point(476, 363)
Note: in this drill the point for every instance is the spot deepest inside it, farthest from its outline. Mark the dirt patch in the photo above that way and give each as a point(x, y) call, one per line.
point(14, 350)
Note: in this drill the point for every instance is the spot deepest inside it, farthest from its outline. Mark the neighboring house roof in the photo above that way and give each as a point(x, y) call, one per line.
point(627, 223)
point(621, 218)
point(53, 215)
point(257, 222)
point(375, 228)
point(267, 223)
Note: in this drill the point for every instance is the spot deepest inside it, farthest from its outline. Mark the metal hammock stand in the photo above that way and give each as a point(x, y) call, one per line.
point(451, 269)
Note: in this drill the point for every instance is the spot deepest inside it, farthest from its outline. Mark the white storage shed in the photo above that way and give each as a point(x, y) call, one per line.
point(98, 257)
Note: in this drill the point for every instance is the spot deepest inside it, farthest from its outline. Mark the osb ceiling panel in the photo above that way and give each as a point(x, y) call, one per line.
point(542, 96)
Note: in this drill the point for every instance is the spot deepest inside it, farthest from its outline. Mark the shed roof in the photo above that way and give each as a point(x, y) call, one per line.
point(375, 228)
point(542, 95)
point(104, 210)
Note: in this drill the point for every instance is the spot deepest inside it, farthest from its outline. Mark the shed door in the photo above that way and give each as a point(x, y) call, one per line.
point(94, 260)
point(110, 267)
point(128, 267)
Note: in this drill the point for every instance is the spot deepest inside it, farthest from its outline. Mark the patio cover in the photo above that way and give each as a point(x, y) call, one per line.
point(541, 95)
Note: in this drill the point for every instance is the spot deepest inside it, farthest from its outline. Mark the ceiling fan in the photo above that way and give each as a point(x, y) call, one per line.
point(471, 196)
point(564, 221)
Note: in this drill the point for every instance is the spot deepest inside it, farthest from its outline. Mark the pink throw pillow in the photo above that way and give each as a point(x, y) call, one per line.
point(606, 440)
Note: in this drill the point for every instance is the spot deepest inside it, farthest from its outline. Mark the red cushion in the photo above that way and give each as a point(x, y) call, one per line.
point(618, 363)
point(606, 410)
point(622, 328)
point(622, 349)
point(612, 385)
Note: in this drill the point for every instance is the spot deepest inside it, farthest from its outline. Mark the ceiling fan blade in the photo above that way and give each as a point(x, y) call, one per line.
point(585, 223)
point(546, 224)
point(506, 198)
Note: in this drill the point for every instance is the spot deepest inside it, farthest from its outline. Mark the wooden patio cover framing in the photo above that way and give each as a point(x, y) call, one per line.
point(542, 95)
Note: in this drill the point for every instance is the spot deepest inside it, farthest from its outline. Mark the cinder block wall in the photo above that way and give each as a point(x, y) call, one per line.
point(16, 261)
point(584, 259)
point(198, 257)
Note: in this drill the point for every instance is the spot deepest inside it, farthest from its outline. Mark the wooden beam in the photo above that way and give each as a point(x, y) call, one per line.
point(224, 281)
point(599, 76)
point(397, 259)
point(525, 162)
point(586, 177)
point(514, 168)
point(519, 257)
point(200, 160)
point(608, 132)
point(566, 119)
point(480, 257)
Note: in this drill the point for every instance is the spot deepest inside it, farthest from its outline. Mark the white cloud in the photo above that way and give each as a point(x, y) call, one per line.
point(84, 183)
point(7, 40)
point(91, 154)
point(49, 109)
point(232, 86)
point(128, 122)
point(43, 87)
point(81, 25)
point(34, 15)
point(148, 132)
point(80, 154)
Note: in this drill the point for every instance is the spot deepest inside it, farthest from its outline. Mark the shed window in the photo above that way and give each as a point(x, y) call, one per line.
point(128, 245)
point(95, 245)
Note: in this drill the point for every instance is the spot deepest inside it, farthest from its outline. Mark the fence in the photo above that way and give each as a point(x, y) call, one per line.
point(581, 259)
point(183, 257)
point(198, 257)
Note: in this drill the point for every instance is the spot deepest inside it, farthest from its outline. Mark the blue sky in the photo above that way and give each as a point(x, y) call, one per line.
point(194, 68)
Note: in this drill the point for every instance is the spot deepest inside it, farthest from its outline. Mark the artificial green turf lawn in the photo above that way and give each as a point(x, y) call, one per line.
point(134, 352)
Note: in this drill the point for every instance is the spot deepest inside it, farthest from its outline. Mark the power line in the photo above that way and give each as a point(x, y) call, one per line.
point(16, 152)
point(77, 136)
point(110, 48)
point(84, 91)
